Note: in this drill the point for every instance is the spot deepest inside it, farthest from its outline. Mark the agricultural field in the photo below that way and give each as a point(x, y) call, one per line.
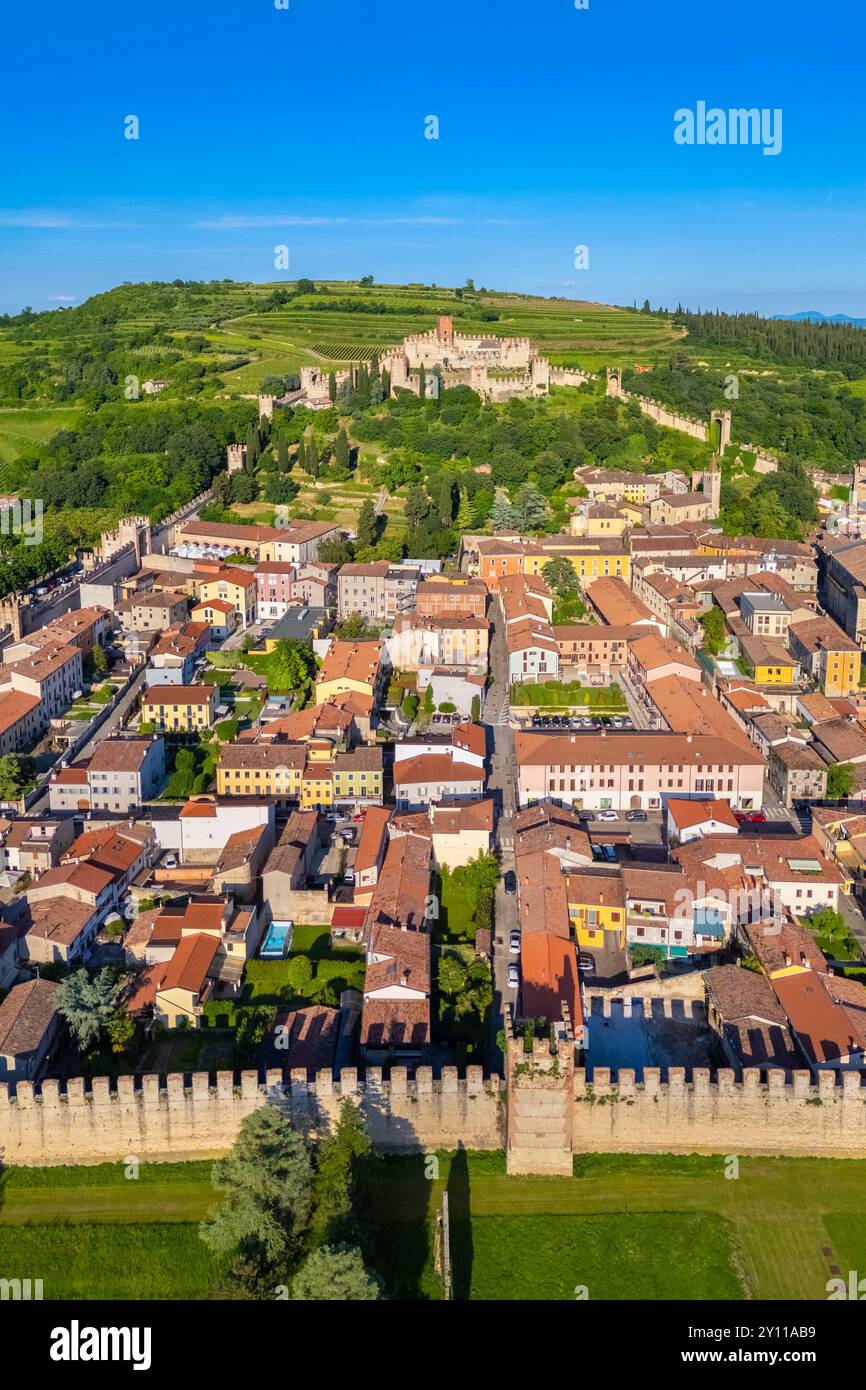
point(20, 429)
point(654, 1226)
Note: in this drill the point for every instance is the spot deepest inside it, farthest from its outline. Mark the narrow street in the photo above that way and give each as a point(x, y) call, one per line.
point(501, 786)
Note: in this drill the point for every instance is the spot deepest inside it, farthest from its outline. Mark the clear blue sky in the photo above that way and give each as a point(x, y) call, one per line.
point(305, 126)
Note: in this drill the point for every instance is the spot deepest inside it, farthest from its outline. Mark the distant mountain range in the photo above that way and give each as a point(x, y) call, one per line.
point(814, 316)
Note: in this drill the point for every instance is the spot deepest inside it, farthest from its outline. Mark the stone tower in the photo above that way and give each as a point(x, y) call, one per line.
point(445, 330)
point(712, 487)
point(858, 489)
point(236, 454)
point(614, 382)
point(724, 420)
point(540, 1135)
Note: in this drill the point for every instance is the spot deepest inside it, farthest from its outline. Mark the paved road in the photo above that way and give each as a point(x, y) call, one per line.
point(501, 785)
point(110, 726)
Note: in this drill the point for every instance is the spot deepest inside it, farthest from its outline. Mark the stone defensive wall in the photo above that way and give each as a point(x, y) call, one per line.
point(757, 1114)
point(545, 1114)
point(159, 1118)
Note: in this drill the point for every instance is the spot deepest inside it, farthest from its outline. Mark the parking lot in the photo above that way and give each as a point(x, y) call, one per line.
point(586, 724)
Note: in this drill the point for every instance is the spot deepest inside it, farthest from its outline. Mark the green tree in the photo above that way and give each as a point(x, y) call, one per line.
point(342, 1172)
point(299, 975)
point(476, 709)
point(17, 776)
point(88, 1003)
point(715, 631)
point(367, 529)
point(840, 780)
point(429, 700)
point(121, 1030)
point(530, 508)
point(336, 1274)
point(332, 386)
point(267, 1185)
point(560, 575)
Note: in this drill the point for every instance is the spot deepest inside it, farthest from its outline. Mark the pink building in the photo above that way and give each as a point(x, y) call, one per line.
point(633, 771)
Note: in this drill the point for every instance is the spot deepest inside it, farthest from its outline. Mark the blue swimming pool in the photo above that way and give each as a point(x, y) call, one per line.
point(277, 941)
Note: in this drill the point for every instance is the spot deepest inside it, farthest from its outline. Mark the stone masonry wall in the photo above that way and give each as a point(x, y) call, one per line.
point(726, 1116)
point(161, 1118)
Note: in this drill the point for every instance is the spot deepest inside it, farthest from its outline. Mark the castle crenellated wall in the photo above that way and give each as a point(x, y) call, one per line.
point(551, 1112)
point(755, 1115)
point(159, 1118)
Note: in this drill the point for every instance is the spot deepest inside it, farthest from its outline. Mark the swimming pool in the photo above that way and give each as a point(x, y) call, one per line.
point(277, 941)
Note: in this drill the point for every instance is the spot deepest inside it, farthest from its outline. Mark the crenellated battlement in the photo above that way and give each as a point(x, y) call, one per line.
point(552, 1111)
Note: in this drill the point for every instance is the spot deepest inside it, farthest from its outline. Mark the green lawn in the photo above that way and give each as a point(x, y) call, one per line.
point(611, 1256)
point(569, 694)
point(627, 1227)
point(267, 982)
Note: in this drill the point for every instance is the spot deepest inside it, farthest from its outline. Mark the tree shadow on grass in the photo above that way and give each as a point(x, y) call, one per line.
point(460, 1221)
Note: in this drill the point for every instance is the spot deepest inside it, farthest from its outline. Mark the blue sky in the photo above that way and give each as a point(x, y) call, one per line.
point(305, 127)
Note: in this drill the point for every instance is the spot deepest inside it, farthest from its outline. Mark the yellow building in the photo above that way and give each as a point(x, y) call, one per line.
point(350, 668)
point(596, 904)
point(179, 708)
point(312, 774)
point(261, 769)
point(235, 586)
point(776, 671)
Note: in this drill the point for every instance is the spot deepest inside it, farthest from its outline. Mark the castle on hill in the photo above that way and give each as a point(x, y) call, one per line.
point(495, 368)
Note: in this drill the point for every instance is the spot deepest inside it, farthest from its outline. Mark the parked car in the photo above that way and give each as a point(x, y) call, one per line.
point(587, 815)
point(609, 852)
point(635, 815)
point(585, 964)
point(514, 943)
point(607, 815)
point(510, 881)
point(170, 861)
point(349, 877)
point(513, 976)
point(597, 852)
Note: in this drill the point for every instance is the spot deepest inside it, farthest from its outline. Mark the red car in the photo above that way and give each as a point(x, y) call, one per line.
point(751, 817)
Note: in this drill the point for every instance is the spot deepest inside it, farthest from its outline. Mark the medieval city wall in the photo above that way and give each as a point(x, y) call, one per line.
point(751, 1116)
point(546, 1116)
point(159, 1118)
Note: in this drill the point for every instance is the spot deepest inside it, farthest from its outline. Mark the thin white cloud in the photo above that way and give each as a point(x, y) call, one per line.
point(32, 218)
point(242, 221)
point(62, 298)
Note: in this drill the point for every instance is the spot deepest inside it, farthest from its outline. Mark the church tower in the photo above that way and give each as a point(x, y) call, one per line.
point(712, 487)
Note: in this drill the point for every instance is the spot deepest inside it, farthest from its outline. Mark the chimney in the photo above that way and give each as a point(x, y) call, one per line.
point(688, 738)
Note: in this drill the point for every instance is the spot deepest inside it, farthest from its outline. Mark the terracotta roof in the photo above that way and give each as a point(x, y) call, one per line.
point(374, 831)
point(26, 1015)
point(309, 1036)
point(178, 695)
point(357, 661)
point(653, 651)
point(435, 767)
point(826, 1032)
point(15, 706)
point(617, 604)
point(121, 754)
point(581, 750)
point(686, 814)
point(549, 970)
point(189, 966)
point(395, 1023)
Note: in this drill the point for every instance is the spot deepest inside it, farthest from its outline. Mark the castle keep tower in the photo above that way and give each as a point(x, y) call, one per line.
point(540, 1107)
point(445, 330)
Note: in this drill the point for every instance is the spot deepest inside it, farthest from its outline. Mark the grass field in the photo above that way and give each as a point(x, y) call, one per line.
point(20, 429)
point(655, 1227)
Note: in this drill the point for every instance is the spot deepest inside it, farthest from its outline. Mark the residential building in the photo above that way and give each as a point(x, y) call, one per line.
point(173, 660)
point(153, 610)
point(451, 596)
point(745, 1014)
point(635, 771)
point(179, 708)
point(417, 642)
point(352, 668)
point(122, 774)
point(593, 649)
point(377, 591)
point(796, 773)
point(692, 820)
point(53, 675)
point(829, 655)
point(21, 721)
point(220, 615)
point(29, 1024)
